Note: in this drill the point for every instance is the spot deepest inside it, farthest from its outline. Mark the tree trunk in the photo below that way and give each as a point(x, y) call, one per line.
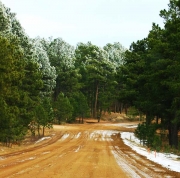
point(96, 99)
point(59, 121)
point(92, 104)
point(149, 118)
point(173, 135)
point(120, 108)
point(115, 107)
point(82, 119)
point(157, 119)
point(125, 109)
point(38, 128)
point(43, 131)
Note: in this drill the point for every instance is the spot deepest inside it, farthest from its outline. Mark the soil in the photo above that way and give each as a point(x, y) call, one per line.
point(89, 150)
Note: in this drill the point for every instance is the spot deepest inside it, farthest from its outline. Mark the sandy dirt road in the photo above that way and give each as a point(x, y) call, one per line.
point(81, 151)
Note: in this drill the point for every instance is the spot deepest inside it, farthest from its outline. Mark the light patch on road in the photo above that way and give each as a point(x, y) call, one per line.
point(1, 158)
point(91, 136)
point(123, 163)
point(40, 140)
point(30, 158)
point(22, 171)
point(77, 149)
point(131, 126)
point(78, 135)
point(64, 137)
point(62, 155)
point(102, 135)
point(45, 152)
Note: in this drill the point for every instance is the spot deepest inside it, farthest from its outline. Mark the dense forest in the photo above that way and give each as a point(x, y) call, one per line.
point(46, 81)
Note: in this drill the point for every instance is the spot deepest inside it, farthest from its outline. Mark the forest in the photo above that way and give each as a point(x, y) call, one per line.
point(48, 81)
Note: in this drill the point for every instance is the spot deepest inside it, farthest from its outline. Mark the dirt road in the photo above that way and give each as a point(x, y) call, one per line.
point(93, 150)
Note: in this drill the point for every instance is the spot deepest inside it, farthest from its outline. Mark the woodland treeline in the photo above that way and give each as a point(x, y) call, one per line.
point(46, 81)
point(151, 75)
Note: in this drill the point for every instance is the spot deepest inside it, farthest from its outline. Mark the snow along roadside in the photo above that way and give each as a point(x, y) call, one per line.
point(169, 161)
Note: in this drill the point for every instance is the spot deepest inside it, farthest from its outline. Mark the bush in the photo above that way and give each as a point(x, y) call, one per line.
point(156, 144)
point(147, 134)
point(132, 113)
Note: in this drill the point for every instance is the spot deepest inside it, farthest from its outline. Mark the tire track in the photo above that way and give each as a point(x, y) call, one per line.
point(136, 163)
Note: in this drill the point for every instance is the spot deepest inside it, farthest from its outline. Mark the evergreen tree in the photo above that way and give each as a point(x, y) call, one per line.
point(61, 56)
point(44, 115)
point(80, 106)
point(63, 109)
point(172, 55)
point(48, 71)
point(95, 69)
point(11, 79)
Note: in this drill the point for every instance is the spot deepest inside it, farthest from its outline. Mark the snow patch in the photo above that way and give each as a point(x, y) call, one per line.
point(30, 158)
point(131, 126)
point(45, 152)
point(77, 149)
point(102, 135)
point(64, 136)
point(169, 161)
point(123, 164)
point(78, 135)
point(44, 138)
point(1, 158)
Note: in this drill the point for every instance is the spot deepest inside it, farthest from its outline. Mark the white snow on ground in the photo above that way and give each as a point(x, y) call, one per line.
point(131, 126)
point(78, 135)
point(1, 158)
point(123, 163)
point(91, 135)
point(44, 138)
point(102, 135)
point(30, 158)
point(77, 149)
point(45, 152)
point(169, 161)
point(64, 136)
